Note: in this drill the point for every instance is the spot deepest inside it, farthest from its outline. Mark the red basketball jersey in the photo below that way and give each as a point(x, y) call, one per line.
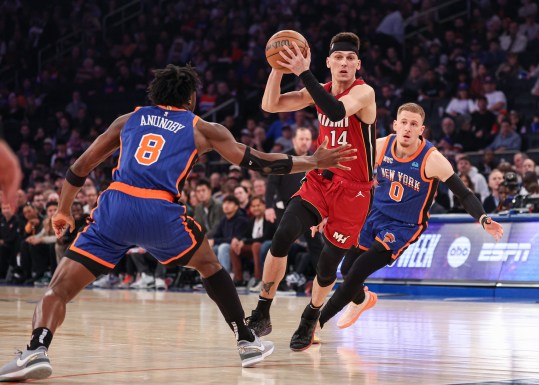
point(350, 130)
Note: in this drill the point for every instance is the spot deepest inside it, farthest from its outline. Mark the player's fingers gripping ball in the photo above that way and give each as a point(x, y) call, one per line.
point(282, 39)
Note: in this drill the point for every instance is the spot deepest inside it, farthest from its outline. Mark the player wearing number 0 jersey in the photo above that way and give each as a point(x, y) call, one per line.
point(409, 169)
point(158, 145)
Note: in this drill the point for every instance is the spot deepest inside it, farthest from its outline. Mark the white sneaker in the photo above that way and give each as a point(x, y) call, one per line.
point(254, 352)
point(145, 281)
point(160, 284)
point(103, 283)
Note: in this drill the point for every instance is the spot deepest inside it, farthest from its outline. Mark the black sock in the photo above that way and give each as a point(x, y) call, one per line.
point(40, 337)
point(222, 291)
point(311, 312)
point(264, 305)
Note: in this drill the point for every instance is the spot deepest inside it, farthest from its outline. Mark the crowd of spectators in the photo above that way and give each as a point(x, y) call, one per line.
point(477, 77)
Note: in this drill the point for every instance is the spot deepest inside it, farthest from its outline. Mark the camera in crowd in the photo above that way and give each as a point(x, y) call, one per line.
point(526, 203)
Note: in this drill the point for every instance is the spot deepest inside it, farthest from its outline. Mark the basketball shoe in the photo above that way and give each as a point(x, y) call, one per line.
point(261, 325)
point(304, 334)
point(254, 352)
point(29, 365)
point(353, 311)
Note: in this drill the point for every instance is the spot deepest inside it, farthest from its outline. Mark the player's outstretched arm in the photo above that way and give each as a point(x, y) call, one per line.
point(439, 167)
point(103, 147)
point(213, 136)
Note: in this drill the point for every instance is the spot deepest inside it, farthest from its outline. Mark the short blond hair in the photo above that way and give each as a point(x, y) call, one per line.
point(412, 107)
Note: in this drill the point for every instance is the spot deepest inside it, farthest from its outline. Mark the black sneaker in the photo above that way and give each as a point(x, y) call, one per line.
point(261, 325)
point(303, 336)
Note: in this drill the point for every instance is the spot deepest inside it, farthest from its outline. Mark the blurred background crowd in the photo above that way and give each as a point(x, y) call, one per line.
point(67, 69)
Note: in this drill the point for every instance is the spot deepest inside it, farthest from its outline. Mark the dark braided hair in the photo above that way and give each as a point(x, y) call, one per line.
point(173, 85)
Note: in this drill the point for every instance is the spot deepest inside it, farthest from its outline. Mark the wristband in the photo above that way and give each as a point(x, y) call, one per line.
point(486, 220)
point(74, 179)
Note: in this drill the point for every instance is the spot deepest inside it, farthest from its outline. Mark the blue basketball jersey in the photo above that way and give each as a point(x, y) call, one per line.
point(404, 192)
point(157, 149)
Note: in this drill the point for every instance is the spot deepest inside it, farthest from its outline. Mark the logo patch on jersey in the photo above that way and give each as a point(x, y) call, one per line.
point(388, 159)
point(325, 121)
point(340, 237)
point(389, 238)
point(360, 194)
point(415, 165)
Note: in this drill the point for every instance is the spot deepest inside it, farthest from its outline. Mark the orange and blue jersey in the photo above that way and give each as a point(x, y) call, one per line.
point(140, 207)
point(404, 192)
point(157, 149)
point(402, 200)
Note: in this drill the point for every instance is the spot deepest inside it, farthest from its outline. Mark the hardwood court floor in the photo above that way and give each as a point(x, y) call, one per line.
point(129, 337)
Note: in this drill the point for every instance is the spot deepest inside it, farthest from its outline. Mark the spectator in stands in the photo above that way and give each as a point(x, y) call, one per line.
point(512, 40)
point(518, 162)
point(488, 163)
point(386, 108)
point(491, 202)
point(248, 245)
point(233, 224)
point(529, 165)
point(259, 187)
point(40, 247)
point(285, 141)
point(242, 195)
point(208, 212)
point(496, 100)
point(72, 109)
point(482, 122)
point(460, 104)
point(9, 241)
point(507, 139)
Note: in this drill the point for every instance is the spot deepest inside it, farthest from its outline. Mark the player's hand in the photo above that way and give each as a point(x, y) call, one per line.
point(328, 158)
point(60, 221)
point(294, 60)
point(494, 228)
point(319, 228)
point(270, 215)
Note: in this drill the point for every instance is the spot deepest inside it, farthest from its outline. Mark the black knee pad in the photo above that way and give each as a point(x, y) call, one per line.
point(326, 269)
point(297, 218)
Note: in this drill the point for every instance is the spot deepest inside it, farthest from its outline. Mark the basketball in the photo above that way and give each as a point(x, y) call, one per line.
point(277, 42)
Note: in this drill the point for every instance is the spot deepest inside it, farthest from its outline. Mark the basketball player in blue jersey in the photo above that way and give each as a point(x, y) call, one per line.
point(158, 146)
point(409, 169)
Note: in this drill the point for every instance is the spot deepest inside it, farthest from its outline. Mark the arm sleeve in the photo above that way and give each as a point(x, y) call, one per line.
point(332, 108)
point(468, 199)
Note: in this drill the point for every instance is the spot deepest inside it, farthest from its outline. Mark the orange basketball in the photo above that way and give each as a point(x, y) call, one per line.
point(277, 42)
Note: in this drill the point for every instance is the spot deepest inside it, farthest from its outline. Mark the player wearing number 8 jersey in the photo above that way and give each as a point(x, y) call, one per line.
point(409, 169)
point(347, 114)
point(159, 145)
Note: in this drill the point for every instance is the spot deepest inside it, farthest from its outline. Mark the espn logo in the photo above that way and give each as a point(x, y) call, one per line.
point(495, 252)
point(340, 237)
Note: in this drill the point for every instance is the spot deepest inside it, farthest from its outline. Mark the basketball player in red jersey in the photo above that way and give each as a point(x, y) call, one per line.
point(158, 146)
point(347, 114)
